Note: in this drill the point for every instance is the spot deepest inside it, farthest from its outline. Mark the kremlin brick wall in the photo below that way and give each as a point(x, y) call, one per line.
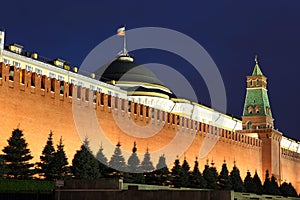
point(35, 105)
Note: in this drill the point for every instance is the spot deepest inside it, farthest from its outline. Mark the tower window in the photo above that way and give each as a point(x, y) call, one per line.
point(249, 125)
point(251, 82)
point(257, 82)
point(250, 109)
point(257, 109)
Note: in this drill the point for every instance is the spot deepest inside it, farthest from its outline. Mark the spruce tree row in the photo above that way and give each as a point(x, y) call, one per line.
point(53, 165)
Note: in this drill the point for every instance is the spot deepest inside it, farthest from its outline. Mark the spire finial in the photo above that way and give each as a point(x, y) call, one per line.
point(256, 59)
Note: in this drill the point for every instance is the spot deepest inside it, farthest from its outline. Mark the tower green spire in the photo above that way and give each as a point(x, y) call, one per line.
point(257, 111)
point(256, 71)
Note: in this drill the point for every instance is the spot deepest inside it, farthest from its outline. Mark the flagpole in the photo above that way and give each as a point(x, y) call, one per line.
point(124, 45)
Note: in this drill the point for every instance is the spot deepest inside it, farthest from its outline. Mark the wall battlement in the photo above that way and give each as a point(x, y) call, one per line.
point(62, 91)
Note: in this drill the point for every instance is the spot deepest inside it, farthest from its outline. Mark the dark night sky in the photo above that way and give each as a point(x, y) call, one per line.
point(231, 31)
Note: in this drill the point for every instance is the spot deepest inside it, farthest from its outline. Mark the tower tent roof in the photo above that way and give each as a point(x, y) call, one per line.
point(257, 71)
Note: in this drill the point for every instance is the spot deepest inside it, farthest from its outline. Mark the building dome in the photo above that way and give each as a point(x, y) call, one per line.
point(124, 69)
point(133, 77)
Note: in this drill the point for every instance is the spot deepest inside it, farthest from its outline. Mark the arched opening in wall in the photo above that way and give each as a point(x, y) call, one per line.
point(94, 96)
point(141, 109)
point(43, 79)
point(109, 101)
point(22, 76)
point(116, 102)
point(78, 92)
point(52, 87)
point(11, 73)
point(122, 104)
point(129, 106)
point(147, 111)
point(158, 114)
point(168, 118)
point(249, 125)
point(87, 94)
point(101, 99)
point(135, 108)
point(0, 71)
point(152, 113)
point(62, 87)
point(32, 80)
point(71, 86)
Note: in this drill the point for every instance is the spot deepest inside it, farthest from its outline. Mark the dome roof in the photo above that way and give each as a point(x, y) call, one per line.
point(124, 69)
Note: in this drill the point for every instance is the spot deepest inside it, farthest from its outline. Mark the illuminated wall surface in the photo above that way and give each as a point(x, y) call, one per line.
point(38, 95)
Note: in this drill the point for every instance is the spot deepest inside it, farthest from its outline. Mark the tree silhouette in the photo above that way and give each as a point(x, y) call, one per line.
point(146, 165)
point(274, 186)
point(103, 165)
point(60, 162)
point(224, 181)
point(287, 189)
point(210, 174)
point(117, 161)
point(185, 173)
point(17, 156)
point(45, 166)
point(161, 174)
point(176, 173)
point(84, 164)
point(133, 161)
point(248, 183)
point(257, 183)
point(3, 168)
point(236, 180)
point(196, 179)
point(134, 175)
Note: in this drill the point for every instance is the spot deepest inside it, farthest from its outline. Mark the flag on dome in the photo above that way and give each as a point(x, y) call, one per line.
point(121, 31)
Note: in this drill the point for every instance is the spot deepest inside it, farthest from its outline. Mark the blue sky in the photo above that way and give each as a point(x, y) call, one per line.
point(231, 31)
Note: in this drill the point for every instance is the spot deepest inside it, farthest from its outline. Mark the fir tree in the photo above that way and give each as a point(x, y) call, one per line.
point(146, 165)
point(224, 182)
point(161, 174)
point(84, 164)
point(267, 184)
point(274, 186)
point(248, 183)
point(117, 160)
point(185, 173)
point(257, 184)
point(210, 175)
point(17, 156)
point(196, 179)
point(60, 162)
point(236, 180)
point(176, 173)
point(103, 165)
point(134, 175)
point(288, 190)
point(46, 165)
point(3, 168)
point(133, 161)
